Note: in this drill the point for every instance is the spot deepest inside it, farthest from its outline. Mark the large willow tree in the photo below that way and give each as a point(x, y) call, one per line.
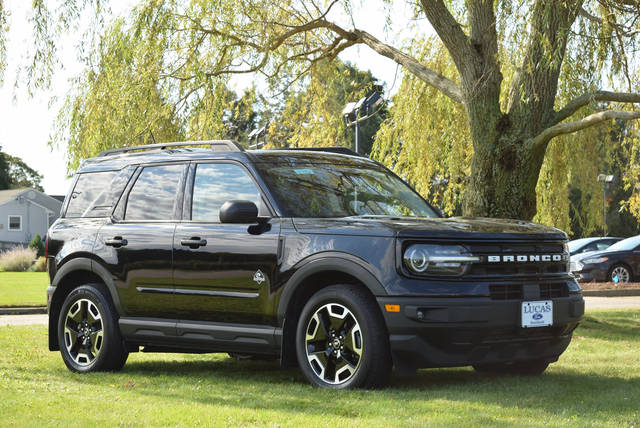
point(509, 61)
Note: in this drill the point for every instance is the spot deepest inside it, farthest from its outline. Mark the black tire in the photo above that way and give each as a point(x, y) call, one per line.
point(521, 368)
point(90, 340)
point(622, 271)
point(363, 347)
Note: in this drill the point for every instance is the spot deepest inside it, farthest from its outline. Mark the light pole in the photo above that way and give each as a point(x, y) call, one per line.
point(606, 181)
point(369, 106)
point(255, 136)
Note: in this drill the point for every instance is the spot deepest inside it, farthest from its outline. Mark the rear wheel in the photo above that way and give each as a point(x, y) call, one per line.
point(341, 339)
point(88, 331)
point(523, 368)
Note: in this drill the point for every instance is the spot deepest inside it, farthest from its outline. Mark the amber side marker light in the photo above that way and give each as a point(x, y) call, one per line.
point(392, 308)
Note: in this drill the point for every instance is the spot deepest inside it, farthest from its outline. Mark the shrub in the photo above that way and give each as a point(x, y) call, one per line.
point(40, 265)
point(38, 245)
point(17, 259)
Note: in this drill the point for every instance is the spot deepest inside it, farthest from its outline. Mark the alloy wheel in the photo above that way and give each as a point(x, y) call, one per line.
point(621, 273)
point(334, 343)
point(83, 332)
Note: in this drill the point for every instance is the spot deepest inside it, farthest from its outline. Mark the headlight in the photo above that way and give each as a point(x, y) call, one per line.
point(438, 259)
point(594, 260)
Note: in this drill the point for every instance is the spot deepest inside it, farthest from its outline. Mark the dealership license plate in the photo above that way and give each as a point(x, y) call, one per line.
point(537, 314)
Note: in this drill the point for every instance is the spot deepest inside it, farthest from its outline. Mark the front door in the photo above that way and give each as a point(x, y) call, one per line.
point(223, 272)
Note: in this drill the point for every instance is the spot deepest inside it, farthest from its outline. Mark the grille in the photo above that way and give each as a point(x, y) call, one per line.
point(516, 291)
point(506, 292)
point(550, 291)
point(520, 269)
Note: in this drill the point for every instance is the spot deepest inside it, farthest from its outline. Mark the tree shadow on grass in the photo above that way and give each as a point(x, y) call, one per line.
point(264, 386)
point(616, 326)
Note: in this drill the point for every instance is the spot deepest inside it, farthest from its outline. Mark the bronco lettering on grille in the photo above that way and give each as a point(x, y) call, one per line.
point(524, 258)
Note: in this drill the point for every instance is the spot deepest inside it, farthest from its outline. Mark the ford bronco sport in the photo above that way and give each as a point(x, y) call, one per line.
point(322, 258)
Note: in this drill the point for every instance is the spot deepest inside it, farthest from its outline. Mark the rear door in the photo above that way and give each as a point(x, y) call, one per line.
point(137, 245)
point(223, 272)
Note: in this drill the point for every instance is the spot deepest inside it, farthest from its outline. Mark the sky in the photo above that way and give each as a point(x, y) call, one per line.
point(26, 122)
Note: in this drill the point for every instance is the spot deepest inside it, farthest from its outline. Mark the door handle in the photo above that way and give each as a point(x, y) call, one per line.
point(193, 242)
point(116, 242)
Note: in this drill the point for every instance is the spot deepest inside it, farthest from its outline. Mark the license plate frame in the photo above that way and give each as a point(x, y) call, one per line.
point(538, 313)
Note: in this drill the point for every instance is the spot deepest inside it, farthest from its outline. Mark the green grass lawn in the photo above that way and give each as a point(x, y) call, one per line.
point(23, 288)
point(595, 383)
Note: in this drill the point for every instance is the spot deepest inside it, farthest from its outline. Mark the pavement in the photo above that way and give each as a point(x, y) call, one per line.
point(23, 319)
point(625, 302)
point(591, 303)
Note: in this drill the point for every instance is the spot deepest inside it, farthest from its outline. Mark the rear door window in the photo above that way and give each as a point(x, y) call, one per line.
point(154, 194)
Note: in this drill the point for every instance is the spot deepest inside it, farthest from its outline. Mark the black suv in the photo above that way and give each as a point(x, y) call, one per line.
point(322, 258)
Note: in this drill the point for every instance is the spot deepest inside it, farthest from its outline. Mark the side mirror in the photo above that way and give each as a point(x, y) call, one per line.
point(238, 211)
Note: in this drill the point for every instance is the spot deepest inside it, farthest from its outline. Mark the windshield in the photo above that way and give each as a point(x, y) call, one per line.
point(578, 243)
point(305, 188)
point(626, 244)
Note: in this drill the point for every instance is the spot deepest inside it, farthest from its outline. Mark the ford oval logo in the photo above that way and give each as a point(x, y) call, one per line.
point(537, 317)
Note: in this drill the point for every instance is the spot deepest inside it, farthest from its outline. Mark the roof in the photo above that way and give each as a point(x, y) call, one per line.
point(118, 160)
point(11, 194)
point(32, 195)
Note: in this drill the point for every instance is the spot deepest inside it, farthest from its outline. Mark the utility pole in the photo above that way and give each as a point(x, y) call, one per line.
point(369, 106)
point(606, 180)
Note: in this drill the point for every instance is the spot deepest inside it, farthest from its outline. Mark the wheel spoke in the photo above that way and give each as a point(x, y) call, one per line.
point(93, 314)
point(96, 341)
point(350, 357)
point(330, 370)
point(75, 312)
point(325, 321)
point(348, 323)
point(315, 347)
point(83, 309)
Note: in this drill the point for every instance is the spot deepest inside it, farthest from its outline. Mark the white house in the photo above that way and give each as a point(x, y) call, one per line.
point(24, 213)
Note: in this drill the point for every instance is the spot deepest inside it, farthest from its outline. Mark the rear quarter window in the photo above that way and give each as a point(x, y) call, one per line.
point(95, 193)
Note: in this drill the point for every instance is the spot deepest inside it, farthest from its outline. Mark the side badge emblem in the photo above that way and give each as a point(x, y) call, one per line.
point(258, 277)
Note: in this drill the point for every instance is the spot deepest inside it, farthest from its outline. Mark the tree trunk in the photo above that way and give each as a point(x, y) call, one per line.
point(505, 165)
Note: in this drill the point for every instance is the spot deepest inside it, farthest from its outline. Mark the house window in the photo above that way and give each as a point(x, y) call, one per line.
point(15, 223)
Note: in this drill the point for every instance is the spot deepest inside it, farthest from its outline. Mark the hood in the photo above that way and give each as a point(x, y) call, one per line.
point(443, 228)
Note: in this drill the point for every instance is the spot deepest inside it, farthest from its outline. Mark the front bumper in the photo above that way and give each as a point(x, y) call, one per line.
point(461, 331)
point(591, 275)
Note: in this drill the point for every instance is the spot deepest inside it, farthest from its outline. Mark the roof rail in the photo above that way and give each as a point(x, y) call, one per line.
point(339, 150)
point(216, 146)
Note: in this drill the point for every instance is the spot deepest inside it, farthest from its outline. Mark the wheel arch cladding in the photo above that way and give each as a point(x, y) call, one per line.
point(308, 281)
point(70, 276)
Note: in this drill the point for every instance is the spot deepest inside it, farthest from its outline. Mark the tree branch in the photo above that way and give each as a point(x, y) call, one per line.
point(535, 90)
point(438, 81)
point(585, 99)
point(451, 34)
point(593, 119)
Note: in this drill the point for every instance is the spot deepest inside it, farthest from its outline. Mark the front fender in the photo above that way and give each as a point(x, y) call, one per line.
point(325, 262)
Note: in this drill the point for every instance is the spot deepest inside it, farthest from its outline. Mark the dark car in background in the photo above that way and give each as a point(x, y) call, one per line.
point(585, 245)
point(618, 263)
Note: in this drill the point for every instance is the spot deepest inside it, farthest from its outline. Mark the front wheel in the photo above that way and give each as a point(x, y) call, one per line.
point(88, 331)
point(341, 339)
point(620, 273)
